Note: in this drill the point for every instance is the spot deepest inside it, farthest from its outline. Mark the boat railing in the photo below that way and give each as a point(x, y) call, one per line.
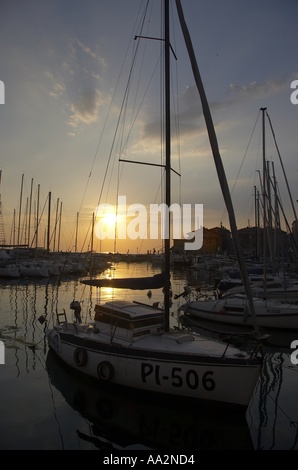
point(61, 317)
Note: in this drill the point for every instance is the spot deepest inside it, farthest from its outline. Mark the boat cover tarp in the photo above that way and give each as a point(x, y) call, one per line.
point(138, 283)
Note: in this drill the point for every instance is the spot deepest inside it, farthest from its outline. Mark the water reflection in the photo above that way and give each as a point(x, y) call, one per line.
point(273, 414)
point(120, 420)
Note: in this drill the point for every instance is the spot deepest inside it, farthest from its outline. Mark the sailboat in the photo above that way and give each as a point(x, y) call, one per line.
point(131, 344)
point(274, 307)
point(233, 309)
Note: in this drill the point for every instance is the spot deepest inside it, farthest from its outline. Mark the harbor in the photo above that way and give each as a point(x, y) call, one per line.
point(154, 305)
point(44, 405)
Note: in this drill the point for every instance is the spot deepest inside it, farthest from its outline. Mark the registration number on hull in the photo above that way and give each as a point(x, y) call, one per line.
point(178, 377)
point(273, 310)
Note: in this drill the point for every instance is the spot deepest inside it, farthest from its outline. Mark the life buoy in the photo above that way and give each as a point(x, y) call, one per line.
point(80, 357)
point(55, 341)
point(105, 371)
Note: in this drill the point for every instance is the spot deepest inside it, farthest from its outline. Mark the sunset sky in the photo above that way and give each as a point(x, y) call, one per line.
point(65, 66)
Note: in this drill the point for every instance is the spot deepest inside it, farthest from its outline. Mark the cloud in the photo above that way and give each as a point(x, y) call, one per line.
point(73, 79)
point(58, 90)
point(85, 110)
point(191, 115)
point(91, 53)
point(191, 119)
point(260, 89)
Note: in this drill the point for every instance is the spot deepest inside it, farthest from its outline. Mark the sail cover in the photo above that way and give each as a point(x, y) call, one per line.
point(138, 283)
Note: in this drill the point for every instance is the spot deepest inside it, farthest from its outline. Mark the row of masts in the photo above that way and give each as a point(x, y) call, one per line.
point(25, 232)
point(268, 205)
point(27, 223)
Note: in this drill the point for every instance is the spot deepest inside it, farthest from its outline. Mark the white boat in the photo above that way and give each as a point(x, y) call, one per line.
point(9, 271)
point(272, 288)
point(205, 262)
point(33, 269)
point(127, 345)
point(132, 345)
point(235, 310)
point(227, 283)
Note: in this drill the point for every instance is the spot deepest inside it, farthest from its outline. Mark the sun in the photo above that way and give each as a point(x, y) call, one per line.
point(109, 219)
point(106, 225)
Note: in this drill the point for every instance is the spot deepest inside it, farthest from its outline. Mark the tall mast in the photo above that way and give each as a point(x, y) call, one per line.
point(76, 239)
point(283, 169)
point(2, 231)
point(256, 223)
point(37, 215)
point(20, 210)
point(29, 216)
point(60, 218)
point(264, 201)
point(49, 222)
point(56, 221)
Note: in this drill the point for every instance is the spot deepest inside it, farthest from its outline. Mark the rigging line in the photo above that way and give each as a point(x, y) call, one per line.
point(108, 113)
point(177, 113)
point(55, 413)
point(177, 122)
point(292, 239)
point(142, 98)
point(284, 215)
point(119, 120)
point(123, 145)
point(86, 236)
point(244, 156)
point(39, 221)
point(140, 105)
point(125, 103)
point(293, 423)
point(282, 166)
point(141, 68)
point(137, 112)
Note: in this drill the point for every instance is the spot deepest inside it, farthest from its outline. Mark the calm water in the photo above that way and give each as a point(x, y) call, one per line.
point(45, 406)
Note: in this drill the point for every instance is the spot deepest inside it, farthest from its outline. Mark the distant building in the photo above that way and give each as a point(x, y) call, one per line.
point(215, 240)
point(219, 240)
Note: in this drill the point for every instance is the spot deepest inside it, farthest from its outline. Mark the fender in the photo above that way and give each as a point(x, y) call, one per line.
point(55, 341)
point(80, 357)
point(105, 371)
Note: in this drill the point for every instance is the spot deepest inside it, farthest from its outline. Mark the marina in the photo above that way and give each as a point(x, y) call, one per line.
point(131, 325)
point(44, 405)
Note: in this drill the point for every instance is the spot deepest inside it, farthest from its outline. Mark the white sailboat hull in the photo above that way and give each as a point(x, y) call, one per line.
point(173, 363)
point(10, 271)
point(235, 311)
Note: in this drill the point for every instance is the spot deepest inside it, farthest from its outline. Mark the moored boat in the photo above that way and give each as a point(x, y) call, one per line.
point(235, 310)
point(132, 345)
point(127, 345)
